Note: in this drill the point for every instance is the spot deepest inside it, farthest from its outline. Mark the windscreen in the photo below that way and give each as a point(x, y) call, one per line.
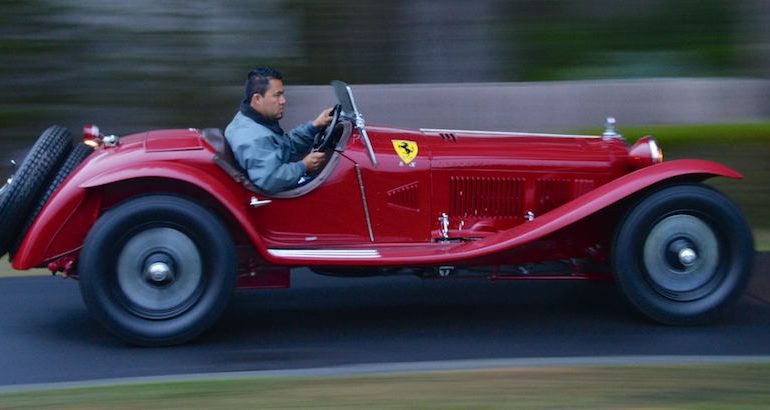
point(343, 97)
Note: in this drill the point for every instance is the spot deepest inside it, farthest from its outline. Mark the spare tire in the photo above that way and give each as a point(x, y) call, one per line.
point(32, 176)
point(75, 157)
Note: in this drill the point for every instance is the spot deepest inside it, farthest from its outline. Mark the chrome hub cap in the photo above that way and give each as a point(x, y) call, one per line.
point(681, 255)
point(687, 256)
point(159, 272)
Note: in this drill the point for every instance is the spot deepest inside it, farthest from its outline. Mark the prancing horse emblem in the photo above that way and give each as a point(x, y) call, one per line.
point(406, 150)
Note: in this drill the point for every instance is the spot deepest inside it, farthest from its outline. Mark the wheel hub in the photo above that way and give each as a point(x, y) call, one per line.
point(159, 274)
point(681, 256)
point(687, 256)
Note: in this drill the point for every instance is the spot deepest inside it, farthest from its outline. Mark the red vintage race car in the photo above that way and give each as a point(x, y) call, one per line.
point(160, 227)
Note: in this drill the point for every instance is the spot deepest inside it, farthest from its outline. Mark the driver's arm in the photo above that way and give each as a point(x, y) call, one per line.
point(301, 138)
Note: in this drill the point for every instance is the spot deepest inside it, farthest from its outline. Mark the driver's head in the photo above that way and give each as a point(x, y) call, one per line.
point(264, 92)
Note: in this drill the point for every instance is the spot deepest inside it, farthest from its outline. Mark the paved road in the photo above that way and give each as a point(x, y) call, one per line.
point(46, 335)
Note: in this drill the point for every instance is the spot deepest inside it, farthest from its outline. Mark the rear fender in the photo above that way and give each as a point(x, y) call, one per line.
point(61, 229)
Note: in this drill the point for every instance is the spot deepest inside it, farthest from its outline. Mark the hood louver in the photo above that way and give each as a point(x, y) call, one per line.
point(486, 197)
point(448, 136)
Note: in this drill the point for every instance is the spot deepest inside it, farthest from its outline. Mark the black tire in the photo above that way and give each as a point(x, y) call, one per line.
point(683, 254)
point(78, 154)
point(157, 270)
point(29, 180)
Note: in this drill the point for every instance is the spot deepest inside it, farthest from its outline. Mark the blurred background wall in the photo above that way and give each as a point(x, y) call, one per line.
point(144, 64)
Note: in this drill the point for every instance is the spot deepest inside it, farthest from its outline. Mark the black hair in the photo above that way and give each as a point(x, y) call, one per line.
point(258, 81)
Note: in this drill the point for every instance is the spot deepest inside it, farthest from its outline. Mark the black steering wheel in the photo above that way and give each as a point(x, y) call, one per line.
point(322, 143)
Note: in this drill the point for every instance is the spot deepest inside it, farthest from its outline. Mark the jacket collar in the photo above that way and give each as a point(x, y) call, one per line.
point(272, 125)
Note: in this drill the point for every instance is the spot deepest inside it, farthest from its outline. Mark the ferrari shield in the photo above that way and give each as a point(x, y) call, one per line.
point(406, 150)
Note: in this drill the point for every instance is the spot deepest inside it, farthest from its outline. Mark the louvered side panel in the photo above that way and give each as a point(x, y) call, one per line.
point(582, 186)
point(552, 193)
point(405, 196)
point(485, 196)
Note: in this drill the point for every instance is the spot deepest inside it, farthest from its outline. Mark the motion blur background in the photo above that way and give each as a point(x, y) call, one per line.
point(132, 65)
point(548, 65)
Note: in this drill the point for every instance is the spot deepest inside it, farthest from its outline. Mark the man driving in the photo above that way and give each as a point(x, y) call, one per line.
point(273, 159)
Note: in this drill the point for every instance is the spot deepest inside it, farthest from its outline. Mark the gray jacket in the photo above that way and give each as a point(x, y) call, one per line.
point(272, 161)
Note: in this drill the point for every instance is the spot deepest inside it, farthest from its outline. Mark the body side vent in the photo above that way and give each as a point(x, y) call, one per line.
point(405, 196)
point(582, 186)
point(486, 196)
point(552, 193)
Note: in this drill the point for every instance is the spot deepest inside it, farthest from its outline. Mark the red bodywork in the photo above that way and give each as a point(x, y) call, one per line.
point(510, 199)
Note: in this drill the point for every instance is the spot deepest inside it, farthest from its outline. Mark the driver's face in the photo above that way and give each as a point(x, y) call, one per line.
point(271, 104)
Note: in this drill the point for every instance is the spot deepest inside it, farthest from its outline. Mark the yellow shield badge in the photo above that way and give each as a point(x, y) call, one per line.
point(406, 150)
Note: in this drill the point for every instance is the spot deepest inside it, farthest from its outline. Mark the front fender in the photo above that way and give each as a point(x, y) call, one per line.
point(594, 201)
point(60, 229)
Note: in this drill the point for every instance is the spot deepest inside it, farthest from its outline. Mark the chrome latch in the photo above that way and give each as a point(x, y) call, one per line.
point(256, 203)
point(529, 216)
point(110, 140)
point(443, 222)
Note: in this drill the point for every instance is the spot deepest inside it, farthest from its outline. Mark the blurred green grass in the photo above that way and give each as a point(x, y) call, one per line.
point(589, 387)
point(695, 134)
point(7, 271)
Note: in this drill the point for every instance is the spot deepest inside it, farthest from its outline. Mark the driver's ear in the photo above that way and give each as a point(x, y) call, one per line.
point(256, 100)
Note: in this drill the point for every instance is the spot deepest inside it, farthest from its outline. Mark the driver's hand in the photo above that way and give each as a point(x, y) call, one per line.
point(314, 161)
point(323, 119)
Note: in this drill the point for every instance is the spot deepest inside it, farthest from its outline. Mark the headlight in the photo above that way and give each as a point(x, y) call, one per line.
point(645, 152)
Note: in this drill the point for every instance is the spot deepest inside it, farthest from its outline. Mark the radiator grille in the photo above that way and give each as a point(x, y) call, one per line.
point(486, 196)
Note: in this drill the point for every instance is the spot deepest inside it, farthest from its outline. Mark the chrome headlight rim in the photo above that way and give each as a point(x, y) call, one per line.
point(656, 153)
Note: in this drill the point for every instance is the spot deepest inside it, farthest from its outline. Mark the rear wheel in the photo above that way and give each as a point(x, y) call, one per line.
point(157, 270)
point(683, 254)
point(20, 192)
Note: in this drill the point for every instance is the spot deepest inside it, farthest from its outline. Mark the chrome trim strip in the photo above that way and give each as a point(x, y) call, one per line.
point(326, 253)
point(437, 131)
point(255, 202)
point(363, 200)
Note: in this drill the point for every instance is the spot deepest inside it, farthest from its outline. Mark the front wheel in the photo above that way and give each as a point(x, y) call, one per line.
point(157, 270)
point(683, 254)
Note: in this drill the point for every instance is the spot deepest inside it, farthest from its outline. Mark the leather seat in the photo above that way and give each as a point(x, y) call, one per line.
point(224, 158)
